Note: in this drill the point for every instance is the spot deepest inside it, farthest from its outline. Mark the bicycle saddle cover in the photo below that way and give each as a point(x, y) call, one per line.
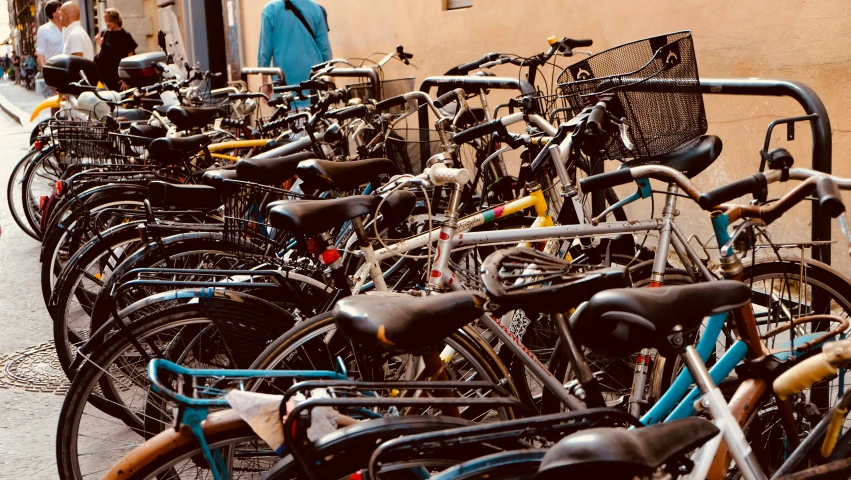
point(187, 118)
point(397, 207)
point(614, 453)
point(317, 216)
point(217, 177)
point(163, 195)
point(131, 114)
point(690, 158)
point(326, 175)
point(623, 321)
point(403, 323)
point(270, 171)
point(173, 150)
point(147, 131)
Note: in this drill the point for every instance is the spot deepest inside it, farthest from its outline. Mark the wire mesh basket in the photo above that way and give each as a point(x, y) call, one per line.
point(245, 227)
point(83, 142)
point(387, 89)
point(410, 148)
point(653, 84)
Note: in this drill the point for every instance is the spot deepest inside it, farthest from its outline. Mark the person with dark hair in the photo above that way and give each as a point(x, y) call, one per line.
point(49, 37)
point(115, 43)
point(16, 64)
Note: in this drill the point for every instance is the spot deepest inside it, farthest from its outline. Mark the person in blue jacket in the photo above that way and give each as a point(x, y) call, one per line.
point(294, 37)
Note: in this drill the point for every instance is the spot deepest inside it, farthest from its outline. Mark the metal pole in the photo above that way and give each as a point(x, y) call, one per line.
point(822, 136)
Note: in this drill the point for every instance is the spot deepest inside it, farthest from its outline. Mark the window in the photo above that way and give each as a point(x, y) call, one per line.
point(456, 4)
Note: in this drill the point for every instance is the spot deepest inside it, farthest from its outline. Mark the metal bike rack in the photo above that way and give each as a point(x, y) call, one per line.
point(822, 157)
point(822, 160)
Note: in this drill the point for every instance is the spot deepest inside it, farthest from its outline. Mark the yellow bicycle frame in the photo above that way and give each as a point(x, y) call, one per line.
point(217, 147)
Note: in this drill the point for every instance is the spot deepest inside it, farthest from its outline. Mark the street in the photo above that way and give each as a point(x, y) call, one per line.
point(29, 377)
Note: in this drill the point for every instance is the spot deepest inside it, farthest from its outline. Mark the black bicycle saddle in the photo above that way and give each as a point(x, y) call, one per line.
point(690, 159)
point(615, 454)
point(187, 118)
point(404, 323)
point(326, 175)
point(308, 217)
point(623, 321)
point(270, 171)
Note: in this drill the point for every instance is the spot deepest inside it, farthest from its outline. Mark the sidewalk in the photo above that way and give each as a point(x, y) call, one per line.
point(19, 104)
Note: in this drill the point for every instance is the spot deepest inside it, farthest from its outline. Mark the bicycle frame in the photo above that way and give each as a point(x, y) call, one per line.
point(455, 233)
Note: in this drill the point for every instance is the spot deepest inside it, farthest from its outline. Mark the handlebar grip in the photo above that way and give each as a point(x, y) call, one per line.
point(277, 101)
point(305, 85)
point(390, 103)
point(348, 112)
point(151, 88)
point(753, 185)
point(465, 68)
point(479, 130)
point(276, 124)
point(829, 197)
point(594, 123)
point(605, 180)
point(439, 174)
point(580, 43)
point(444, 99)
point(802, 376)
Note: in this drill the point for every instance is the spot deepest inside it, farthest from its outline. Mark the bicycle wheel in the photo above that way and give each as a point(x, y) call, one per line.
point(15, 197)
point(39, 180)
point(515, 464)
point(175, 456)
point(74, 323)
point(338, 455)
point(76, 228)
point(93, 435)
point(783, 289)
point(315, 344)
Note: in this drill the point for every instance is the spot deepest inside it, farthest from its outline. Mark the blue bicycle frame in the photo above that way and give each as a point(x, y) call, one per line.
point(193, 411)
point(675, 404)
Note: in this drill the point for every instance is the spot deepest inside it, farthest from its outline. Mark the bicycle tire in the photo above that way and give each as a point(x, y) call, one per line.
point(513, 464)
point(177, 328)
point(67, 235)
point(464, 341)
point(147, 256)
point(83, 391)
point(20, 217)
point(32, 214)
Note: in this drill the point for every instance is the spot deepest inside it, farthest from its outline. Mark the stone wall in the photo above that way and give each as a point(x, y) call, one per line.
point(139, 20)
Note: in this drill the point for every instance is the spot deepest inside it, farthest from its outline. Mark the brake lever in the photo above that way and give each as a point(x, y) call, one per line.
point(842, 220)
point(623, 127)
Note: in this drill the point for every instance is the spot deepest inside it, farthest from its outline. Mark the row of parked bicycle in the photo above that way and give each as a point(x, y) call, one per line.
point(354, 286)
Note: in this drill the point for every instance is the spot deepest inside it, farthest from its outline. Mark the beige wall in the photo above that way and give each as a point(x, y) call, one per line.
point(809, 41)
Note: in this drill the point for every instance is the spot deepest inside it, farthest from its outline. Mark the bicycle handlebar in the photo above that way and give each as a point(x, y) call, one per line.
point(768, 212)
point(829, 197)
point(750, 185)
point(348, 112)
point(814, 369)
point(439, 174)
point(466, 68)
point(571, 43)
point(390, 103)
point(446, 98)
point(477, 131)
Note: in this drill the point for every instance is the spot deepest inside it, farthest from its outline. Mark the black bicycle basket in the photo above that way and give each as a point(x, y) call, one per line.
point(410, 148)
point(246, 230)
point(652, 83)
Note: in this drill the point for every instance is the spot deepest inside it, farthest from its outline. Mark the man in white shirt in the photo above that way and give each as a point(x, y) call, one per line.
point(77, 40)
point(49, 38)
